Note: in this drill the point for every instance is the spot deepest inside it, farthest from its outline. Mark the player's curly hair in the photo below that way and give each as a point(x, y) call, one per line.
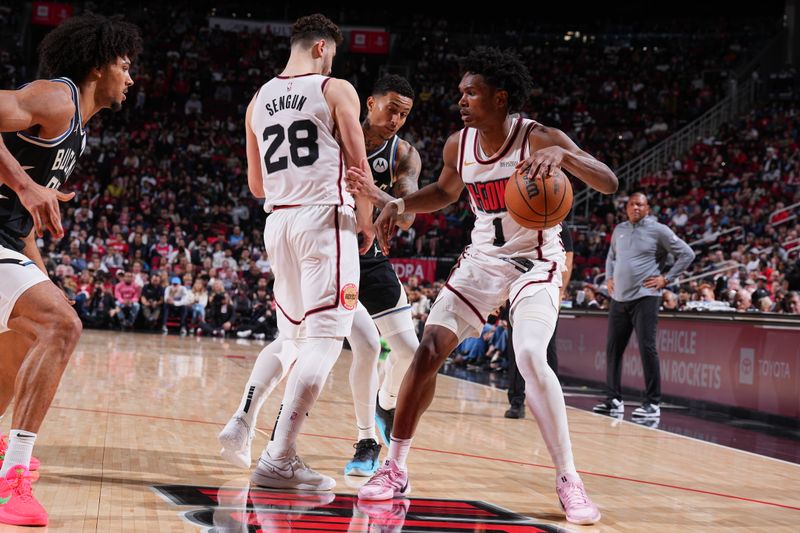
point(315, 27)
point(393, 83)
point(501, 69)
point(88, 41)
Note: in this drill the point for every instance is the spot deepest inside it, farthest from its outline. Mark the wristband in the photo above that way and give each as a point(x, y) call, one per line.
point(401, 205)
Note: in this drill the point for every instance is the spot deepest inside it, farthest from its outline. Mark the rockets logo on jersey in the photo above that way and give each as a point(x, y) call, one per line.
point(489, 196)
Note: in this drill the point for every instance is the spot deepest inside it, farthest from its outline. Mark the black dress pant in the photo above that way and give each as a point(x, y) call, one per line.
point(640, 315)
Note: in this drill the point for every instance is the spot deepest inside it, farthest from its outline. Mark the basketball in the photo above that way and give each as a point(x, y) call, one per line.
point(537, 203)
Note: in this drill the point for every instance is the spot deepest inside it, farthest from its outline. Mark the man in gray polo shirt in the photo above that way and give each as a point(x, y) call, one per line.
point(638, 248)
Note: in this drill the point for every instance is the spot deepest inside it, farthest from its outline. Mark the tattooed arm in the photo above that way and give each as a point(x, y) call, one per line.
point(406, 179)
point(405, 182)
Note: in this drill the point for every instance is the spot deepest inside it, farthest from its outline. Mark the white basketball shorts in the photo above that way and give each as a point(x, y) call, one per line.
point(480, 284)
point(18, 273)
point(314, 255)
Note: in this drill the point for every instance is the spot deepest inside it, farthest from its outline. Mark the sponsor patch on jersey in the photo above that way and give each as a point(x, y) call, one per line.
point(349, 296)
point(380, 165)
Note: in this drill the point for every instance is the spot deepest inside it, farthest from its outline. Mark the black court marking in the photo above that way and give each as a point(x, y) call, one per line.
point(227, 509)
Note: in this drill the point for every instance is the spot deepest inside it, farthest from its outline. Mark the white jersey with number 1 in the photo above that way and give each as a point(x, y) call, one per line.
point(495, 233)
point(301, 162)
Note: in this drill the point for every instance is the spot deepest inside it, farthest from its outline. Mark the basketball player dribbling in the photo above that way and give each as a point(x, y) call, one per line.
point(88, 59)
point(396, 164)
point(504, 262)
point(297, 165)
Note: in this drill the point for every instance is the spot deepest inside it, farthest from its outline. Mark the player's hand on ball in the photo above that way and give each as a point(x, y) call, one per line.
point(542, 162)
point(384, 225)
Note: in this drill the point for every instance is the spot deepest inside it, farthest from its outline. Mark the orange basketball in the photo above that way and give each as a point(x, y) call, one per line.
point(537, 203)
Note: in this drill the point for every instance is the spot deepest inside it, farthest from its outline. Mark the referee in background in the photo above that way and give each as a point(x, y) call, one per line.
point(638, 249)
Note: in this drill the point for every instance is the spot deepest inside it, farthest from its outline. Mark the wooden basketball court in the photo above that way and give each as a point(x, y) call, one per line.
point(139, 410)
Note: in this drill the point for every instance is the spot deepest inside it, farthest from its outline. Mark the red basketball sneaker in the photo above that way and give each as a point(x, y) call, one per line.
point(18, 506)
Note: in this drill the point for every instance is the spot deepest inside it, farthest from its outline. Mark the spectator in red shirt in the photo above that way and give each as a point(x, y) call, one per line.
point(127, 294)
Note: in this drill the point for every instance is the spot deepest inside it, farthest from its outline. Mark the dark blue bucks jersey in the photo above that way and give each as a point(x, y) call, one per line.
point(49, 162)
point(382, 162)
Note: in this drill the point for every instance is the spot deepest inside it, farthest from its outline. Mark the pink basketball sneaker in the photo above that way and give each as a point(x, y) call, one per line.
point(387, 483)
point(18, 506)
point(574, 500)
point(386, 516)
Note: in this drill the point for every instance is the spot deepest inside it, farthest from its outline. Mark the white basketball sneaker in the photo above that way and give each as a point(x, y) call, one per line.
point(236, 439)
point(285, 473)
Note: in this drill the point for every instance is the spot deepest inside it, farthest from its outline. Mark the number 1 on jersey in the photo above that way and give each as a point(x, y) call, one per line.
point(499, 238)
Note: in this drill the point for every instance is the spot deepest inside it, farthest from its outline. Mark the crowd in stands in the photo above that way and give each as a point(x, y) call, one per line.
point(732, 197)
point(164, 235)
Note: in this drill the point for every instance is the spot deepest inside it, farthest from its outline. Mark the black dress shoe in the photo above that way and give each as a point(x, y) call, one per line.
point(515, 412)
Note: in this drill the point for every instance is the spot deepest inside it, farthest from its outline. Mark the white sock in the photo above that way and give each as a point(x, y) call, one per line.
point(271, 366)
point(20, 449)
point(367, 433)
point(398, 450)
point(315, 359)
point(534, 322)
point(403, 344)
point(366, 346)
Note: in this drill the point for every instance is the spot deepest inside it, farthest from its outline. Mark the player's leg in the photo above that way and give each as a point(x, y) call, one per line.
point(397, 327)
point(516, 384)
point(279, 466)
point(459, 312)
point(327, 284)
point(272, 365)
point(416, 395)
point(42, 315)
point(15, 347)
point(365, 344)
point(534, 317)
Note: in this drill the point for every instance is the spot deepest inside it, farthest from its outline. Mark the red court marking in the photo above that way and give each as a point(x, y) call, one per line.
point(458, 454)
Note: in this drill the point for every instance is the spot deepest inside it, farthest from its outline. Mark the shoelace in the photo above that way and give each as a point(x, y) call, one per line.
point(382, 474)
point(21, 486)
point(298, 464)
point(364, 449)
point(575, 494)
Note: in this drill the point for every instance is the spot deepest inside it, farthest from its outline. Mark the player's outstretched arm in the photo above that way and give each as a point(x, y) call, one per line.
point(47, 105)
point(433, 197)
point(551, 148)
point(255, 179)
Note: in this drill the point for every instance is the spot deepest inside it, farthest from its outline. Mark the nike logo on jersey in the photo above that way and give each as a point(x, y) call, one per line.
point(468, 163)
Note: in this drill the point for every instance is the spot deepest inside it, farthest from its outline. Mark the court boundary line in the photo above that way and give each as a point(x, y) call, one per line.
point(679, 435)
